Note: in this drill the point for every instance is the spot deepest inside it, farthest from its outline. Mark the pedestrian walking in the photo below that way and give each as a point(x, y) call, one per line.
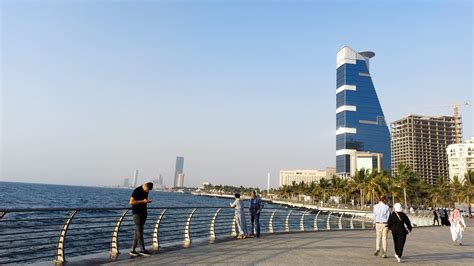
point(400, 226)
point(457, 226)
point(446, 217)
point(381, 214)
point(239, 217)
point(435, 217)
point(255, 209)
point(139, 201)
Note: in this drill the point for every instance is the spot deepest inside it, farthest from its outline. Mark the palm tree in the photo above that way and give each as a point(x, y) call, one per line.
point(314, 191)
point(392, 184)
point(405, 173)
point(468, 189)
point(360, 180)
point(456, 189)
point(324, 186)
point(337, 185)
point(420, 191)
point(346, 189)
point(440, 192)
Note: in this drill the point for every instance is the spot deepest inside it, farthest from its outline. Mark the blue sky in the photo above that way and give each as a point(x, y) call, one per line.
point(92, 90)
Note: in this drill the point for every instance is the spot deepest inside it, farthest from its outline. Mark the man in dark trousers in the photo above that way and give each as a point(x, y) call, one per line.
point(255, 209)
point(139, 201)
point(435, 218)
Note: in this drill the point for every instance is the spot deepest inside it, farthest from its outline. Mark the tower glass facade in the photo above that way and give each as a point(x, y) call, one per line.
point(178, 170)
point(360, 122)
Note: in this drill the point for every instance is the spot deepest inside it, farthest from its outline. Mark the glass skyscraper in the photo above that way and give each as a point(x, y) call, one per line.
point(360, 122)
point(178, 169)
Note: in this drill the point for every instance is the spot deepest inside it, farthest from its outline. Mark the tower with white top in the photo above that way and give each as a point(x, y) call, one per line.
point(360, 121)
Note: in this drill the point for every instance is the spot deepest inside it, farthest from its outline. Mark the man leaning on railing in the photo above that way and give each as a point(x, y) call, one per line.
point(139, 201)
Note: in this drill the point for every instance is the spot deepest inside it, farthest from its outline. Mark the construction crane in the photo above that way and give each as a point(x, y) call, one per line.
point(457, 122)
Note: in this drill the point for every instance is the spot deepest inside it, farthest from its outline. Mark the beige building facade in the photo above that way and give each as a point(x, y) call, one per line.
point(421, 141)
point(287, 177)
point(460, 159)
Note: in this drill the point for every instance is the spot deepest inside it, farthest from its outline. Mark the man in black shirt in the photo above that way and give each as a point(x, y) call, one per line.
point(139, 201)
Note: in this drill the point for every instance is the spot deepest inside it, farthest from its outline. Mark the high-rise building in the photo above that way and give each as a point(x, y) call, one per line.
point(460, 159)
point(135, 178)
point(360, 121)
point(180, 180)
point(287, 177)
point(178, 169)
point(160, 180)
point(126, 182)
point(420, 142)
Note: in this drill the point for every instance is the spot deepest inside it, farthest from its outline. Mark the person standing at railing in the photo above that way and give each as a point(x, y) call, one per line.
point(381, 214)
point(254, 210)
point(139, 201)
point(239, 217)
point(400, 226)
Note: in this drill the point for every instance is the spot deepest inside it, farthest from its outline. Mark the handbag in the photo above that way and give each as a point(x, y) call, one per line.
point(406, 227)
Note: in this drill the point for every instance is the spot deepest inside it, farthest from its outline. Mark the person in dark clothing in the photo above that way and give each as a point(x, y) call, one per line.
point(435, 217)
point(400, 226)
point(139, 201)
point(254, 210)
point(446, 217)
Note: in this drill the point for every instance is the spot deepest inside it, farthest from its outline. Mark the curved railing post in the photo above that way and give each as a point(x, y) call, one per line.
point(234, 224)
point(287, 222)
point(60, 258)
point(315, 226)
point(212, 229)
point(156, 231)
point(187, 229)
point(352, 221)
point(328, 222)
point(340, 220)
point(302, 221)
point(270, 222)
point(114, 248)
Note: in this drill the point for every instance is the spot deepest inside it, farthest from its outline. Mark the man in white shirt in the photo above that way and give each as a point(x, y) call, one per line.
point(381, 214)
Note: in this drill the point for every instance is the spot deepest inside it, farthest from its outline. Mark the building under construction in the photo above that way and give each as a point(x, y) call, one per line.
point(421, 141)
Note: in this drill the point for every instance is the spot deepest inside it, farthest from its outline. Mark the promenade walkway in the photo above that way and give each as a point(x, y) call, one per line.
point(431, 245)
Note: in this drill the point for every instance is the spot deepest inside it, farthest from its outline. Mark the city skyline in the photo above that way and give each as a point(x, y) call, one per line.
point(93, 90)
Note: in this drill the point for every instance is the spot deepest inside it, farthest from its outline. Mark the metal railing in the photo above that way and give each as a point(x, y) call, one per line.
point(31, 235)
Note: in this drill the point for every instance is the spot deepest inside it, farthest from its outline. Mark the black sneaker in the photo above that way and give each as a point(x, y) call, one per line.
point(145, 253)
point(133, 253)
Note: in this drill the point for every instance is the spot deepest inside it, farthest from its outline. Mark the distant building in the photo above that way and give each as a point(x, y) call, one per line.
point(135, 178)
point(360, 121)
point(158, 182)
point(461, 159)
point(178, 169)
point(180, 180)
point(287, 177)
point(126, 182)
point(420, 142)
